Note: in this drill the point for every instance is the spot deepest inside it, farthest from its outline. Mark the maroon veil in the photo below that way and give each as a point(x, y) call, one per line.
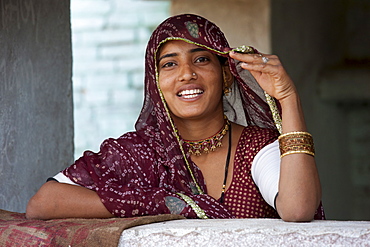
point(134, 173)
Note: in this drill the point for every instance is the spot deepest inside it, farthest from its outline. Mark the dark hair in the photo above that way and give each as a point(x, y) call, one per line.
point(222, 59)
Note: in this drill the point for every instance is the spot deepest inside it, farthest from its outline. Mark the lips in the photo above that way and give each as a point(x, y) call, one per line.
point(190, 93)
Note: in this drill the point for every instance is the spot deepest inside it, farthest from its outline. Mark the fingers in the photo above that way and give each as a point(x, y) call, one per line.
point(256, 58)
point(262, 63)
point(264, 59)
point(268, 71)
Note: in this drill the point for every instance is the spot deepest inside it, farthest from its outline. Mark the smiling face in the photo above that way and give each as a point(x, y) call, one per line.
point(191, 80)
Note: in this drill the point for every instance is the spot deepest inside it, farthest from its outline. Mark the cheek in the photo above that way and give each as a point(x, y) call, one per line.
point(165, 86)
point(217, 80)
point(166, 79)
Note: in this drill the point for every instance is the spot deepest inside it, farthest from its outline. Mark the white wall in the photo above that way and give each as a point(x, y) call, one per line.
point(109, 38)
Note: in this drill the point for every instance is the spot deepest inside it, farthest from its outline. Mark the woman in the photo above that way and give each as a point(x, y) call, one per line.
point(205, 144)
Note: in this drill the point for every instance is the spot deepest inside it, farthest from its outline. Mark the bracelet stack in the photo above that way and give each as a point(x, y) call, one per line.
point(296, 142)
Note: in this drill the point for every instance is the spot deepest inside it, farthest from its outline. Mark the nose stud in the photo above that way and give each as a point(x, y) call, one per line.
point(194, 74)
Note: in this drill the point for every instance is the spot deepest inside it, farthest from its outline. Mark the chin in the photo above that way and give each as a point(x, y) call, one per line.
point(186, 115)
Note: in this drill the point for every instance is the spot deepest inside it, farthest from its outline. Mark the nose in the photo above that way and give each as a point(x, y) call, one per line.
point(186, 73)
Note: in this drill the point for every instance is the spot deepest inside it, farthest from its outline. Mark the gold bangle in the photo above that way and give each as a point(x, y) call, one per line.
point(296, 142)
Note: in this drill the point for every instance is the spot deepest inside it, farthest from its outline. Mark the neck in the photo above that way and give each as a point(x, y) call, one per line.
point(197, 129)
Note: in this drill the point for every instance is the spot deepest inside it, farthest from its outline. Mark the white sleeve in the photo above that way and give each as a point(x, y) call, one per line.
point(61, 178)
point(266, 171)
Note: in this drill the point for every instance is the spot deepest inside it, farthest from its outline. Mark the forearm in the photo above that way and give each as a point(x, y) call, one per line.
point(133, 202)
point(60, 200)
point(299, 185)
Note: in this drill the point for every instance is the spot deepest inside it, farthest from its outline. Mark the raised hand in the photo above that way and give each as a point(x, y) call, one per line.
point(269, 73)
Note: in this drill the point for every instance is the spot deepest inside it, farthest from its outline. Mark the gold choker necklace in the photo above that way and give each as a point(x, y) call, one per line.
point(209, 144)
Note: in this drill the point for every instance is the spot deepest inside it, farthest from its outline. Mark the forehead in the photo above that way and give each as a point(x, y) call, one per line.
point(176, 46)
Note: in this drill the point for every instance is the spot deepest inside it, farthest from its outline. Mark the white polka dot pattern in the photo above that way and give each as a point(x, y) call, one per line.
point(243, 198)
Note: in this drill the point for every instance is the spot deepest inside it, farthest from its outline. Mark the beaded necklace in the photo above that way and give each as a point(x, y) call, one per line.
point(210, 144)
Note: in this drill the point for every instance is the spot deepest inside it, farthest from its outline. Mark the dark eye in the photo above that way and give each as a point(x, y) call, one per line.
point(201, 59)
point(168, 64)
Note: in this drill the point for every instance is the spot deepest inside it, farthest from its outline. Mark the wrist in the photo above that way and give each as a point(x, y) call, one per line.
point(290, 100)
point(292, 114)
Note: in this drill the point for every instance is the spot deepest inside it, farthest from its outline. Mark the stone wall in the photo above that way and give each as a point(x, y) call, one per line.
point(109, 39)
point(36, 119)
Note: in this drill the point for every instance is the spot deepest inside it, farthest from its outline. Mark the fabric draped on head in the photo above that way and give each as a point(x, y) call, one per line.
point(140, 172)
point(246, 104)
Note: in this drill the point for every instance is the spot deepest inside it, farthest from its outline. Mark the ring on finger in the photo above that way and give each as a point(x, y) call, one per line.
point(265, 59)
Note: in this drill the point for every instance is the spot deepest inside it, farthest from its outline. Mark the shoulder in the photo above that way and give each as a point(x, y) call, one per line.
point(115, 154)
point(255, 138)
point(128, 141)
point(260, 134)
point(128, 145)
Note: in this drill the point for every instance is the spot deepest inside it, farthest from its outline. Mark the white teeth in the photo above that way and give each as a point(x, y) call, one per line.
point(187, 94)
point(190, 96)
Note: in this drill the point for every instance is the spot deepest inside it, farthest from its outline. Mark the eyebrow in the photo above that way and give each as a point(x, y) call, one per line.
point(175, 54)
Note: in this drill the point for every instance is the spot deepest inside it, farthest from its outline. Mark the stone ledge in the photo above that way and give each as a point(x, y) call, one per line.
point(248, 232)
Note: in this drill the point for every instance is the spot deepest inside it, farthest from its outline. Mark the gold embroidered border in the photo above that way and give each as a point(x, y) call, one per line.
point(275, 112)
point(199, 212)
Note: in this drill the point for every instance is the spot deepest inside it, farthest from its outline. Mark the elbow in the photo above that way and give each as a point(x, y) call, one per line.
point(298, 209)
point(35, 209)
point(31, 210)
point(298, 212)
point(40, 206)
point(297, 215)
